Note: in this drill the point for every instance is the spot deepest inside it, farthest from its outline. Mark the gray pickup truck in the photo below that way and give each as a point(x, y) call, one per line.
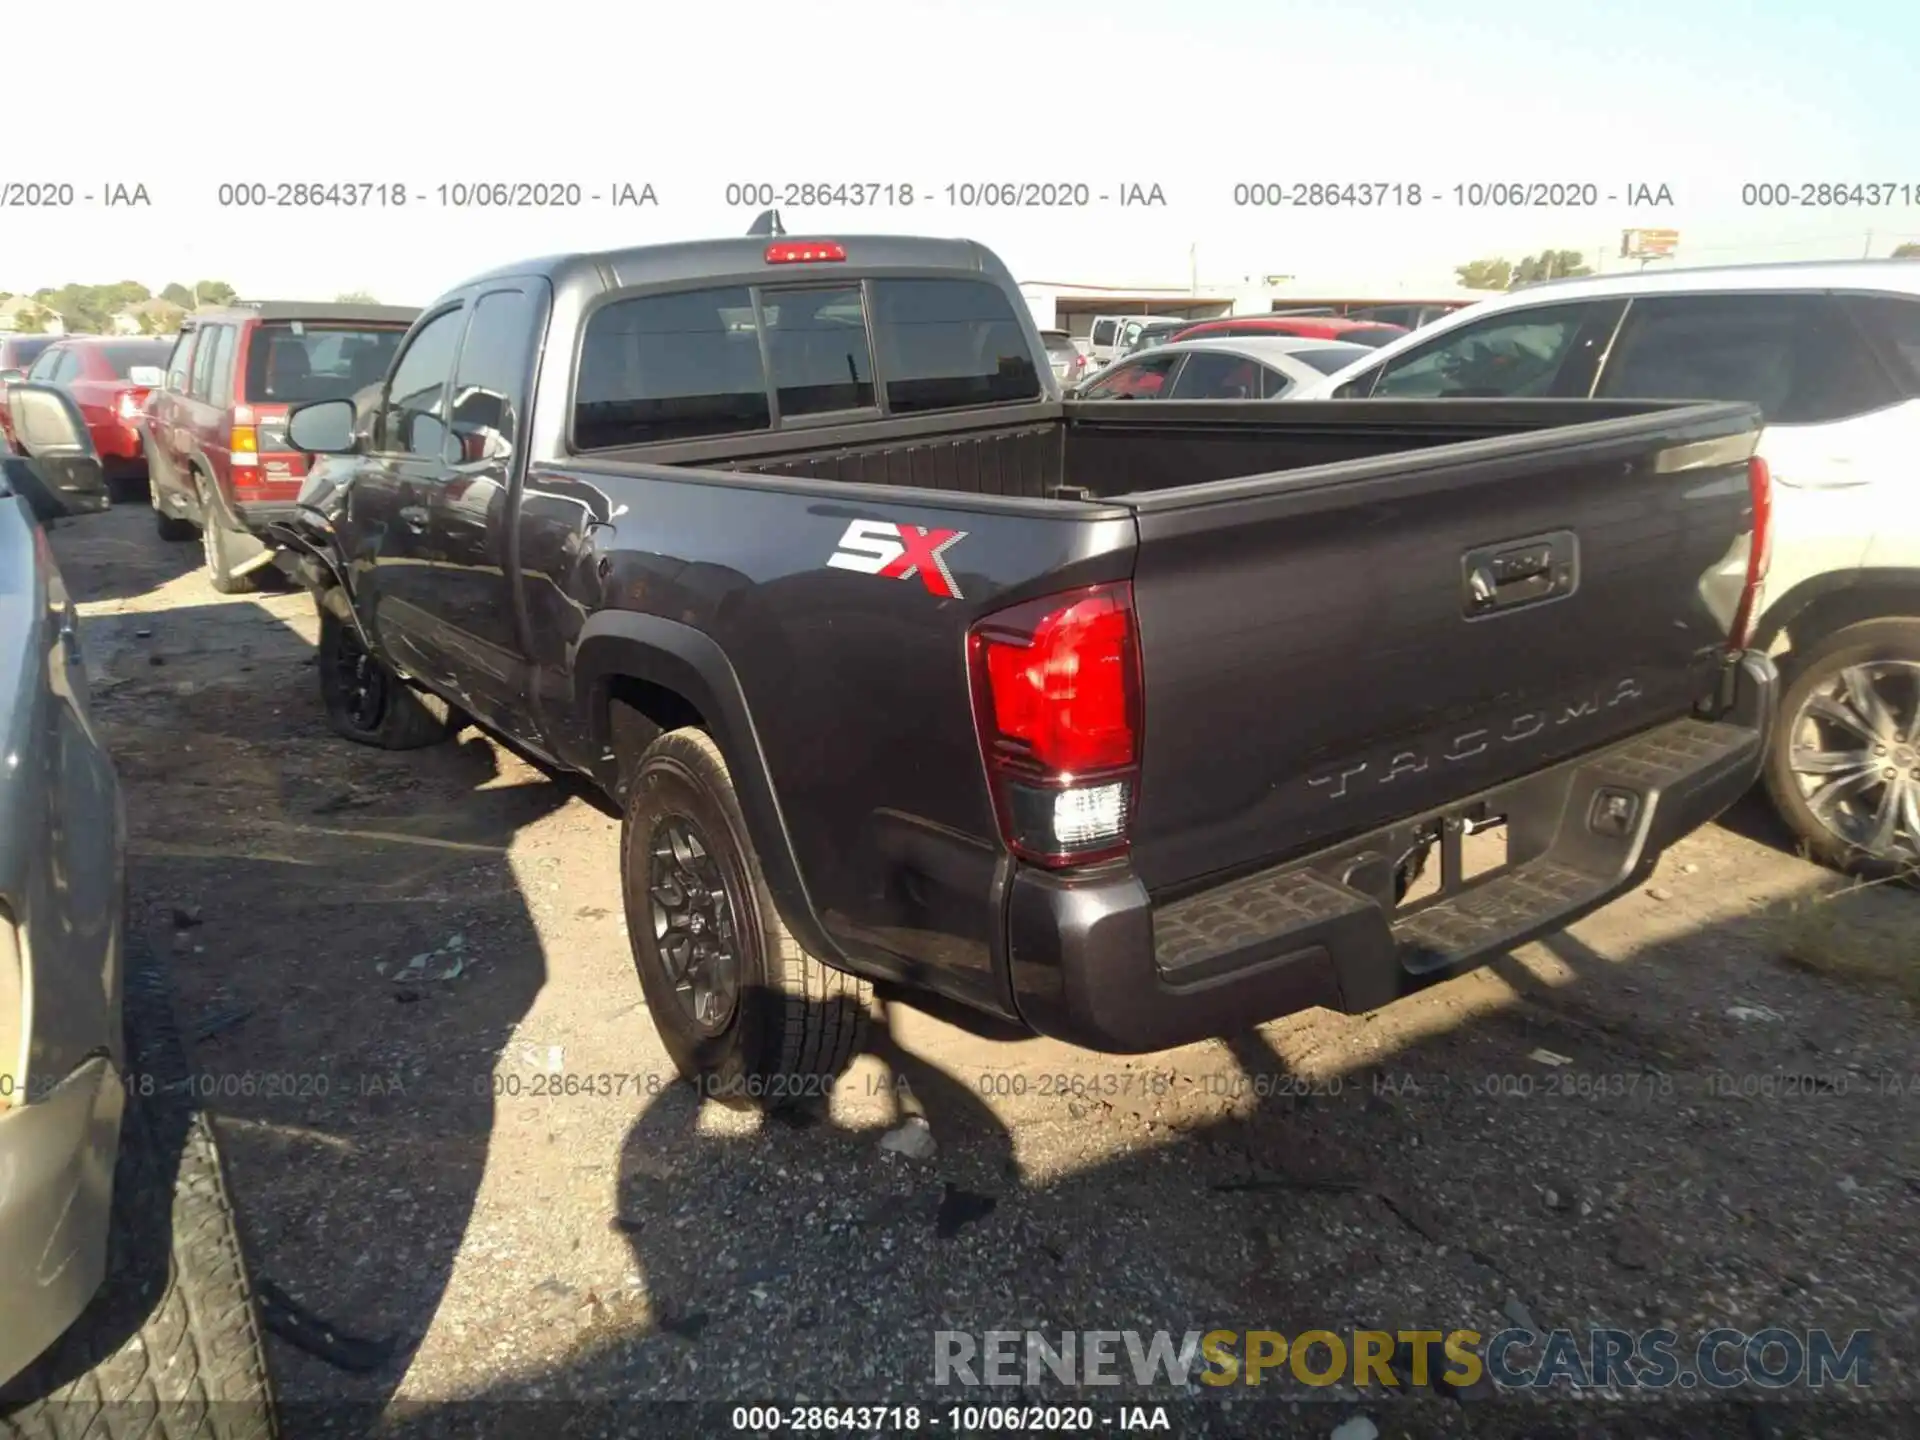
point(1131, 724)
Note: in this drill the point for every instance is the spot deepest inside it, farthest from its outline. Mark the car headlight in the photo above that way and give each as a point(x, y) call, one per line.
point(13, 1014)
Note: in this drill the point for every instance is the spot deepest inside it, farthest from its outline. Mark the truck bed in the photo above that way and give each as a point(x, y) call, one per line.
point(1104, 449)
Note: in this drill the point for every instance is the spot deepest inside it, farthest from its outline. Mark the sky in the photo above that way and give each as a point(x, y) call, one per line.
point(1703, 97)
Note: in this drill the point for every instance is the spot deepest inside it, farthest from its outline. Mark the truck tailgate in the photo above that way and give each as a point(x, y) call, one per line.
point(1330, 649)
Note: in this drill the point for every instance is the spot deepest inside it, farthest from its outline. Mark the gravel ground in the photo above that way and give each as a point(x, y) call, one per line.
point(396, 961)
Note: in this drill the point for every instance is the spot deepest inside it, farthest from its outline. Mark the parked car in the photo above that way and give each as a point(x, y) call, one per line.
point(18, 352)
point(123, 1287)
point(1307, 327)
point(1112, 335)
point(110, 379)
point(1150, 334)
point(1260, 367)
point(1410, 317)
point(216, 427)
point(1068, 360)
point(1831, 354)
point(858, 622)
point(63, 477)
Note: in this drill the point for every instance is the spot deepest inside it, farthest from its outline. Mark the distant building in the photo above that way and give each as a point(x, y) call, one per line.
point(148, 317)
point(18, 312)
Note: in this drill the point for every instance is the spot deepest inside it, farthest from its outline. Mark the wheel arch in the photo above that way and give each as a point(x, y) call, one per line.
point(1826, 604)
point(636, 676)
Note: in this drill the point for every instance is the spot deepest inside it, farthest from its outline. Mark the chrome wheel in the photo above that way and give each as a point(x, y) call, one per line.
point(1855, 754)
point(693, 924)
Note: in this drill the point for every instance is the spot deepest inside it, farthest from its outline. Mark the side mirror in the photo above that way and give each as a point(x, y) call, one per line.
point(50, 429)
point(12, 377)
point(324, 427)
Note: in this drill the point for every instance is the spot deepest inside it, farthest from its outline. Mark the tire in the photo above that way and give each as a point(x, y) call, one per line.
point(794, 1023)
point(218, 548)
point(174, 1330)
point(170, 528)
point(365, 701)
point(1882, 651)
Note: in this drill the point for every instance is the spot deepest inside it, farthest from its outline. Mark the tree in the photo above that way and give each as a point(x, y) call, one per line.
point(1909, 250)
point(29, 322)
point(1485, 274)
point(1549, 265)
point(214, 292)
point(175, 293)
point(355, 297)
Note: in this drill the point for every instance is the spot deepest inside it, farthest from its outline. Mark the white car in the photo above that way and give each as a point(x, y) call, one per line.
point(1831, 353)
point(1243, 367)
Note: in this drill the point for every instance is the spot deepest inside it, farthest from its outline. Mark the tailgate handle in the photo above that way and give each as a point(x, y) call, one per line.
point(1512, 573)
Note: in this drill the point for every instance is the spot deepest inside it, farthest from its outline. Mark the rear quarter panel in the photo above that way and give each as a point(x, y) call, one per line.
point(856, 683)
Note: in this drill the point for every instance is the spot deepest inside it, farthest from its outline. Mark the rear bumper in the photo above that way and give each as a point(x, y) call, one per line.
point(1095, 962)
point(58, 1152)
point(256, 515)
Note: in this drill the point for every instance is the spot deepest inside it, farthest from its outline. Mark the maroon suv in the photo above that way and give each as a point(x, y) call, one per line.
point(216, 430)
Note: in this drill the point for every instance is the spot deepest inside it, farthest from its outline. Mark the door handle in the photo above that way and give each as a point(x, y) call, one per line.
point(1513, 573)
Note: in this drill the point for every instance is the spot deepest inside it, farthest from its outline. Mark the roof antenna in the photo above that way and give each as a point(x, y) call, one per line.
point(767, 225)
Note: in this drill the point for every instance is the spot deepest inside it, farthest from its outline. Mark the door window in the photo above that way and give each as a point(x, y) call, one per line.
point(1216, 375)
point(1894, 323)
point(1797, 357)
point(413, 417)
point(1545, 350)
point(201, 385)
point(1103, 332)
point(179, 364)
point(492, 377)
point(1142, 379)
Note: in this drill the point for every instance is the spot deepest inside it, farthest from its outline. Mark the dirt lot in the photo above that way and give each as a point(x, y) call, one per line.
point(1653, 1120)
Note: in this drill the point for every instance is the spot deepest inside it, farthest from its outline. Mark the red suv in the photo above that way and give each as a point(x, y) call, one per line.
point(109, 379)
point(216, 429)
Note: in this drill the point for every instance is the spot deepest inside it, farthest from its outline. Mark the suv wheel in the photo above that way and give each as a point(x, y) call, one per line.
point(217, 545)
point(365, 701)
point(175, 1317)
point(746, 1014)
point(169, 527)
point(1843, 766)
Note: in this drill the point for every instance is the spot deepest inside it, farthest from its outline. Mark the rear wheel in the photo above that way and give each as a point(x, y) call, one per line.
point(1843, 767)
point(168, 526)
point(221, 549)
point(365, 701)
point(746, 1014)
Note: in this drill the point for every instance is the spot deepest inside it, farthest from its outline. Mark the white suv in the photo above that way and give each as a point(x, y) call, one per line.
point(1831, 353)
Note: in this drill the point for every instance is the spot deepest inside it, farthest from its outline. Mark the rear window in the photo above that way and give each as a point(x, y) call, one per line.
point(1329, 358)
point(149, 357)
point(290, 362)
point(1371, 337)
point(686, 365)
point(946, 344)
point(1060, 345)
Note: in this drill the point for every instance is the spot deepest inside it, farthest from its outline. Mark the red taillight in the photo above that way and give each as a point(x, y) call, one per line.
point(804, 252)
point(1759, 552)
point(1057, 701)
point(132, 404)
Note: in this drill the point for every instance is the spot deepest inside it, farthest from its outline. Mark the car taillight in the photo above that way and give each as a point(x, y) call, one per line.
point(245, 445)
point(804, 252)
point(1057, 704)
point(1759, 553)
point(133, 404)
